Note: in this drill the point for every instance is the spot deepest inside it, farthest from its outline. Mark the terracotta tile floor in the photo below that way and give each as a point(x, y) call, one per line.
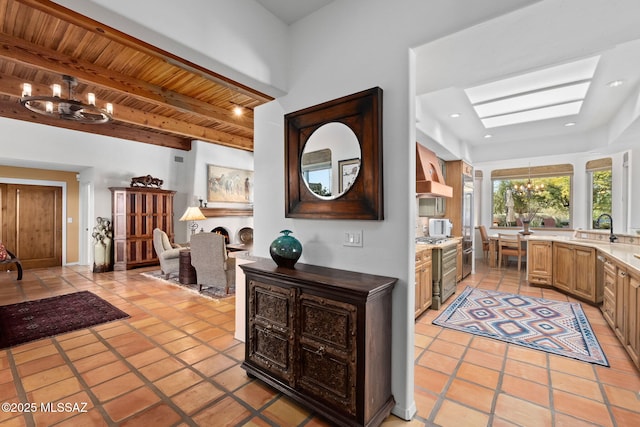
point(174, 362)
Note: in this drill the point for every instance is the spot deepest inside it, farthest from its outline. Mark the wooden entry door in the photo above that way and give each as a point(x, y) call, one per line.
point(32, 223)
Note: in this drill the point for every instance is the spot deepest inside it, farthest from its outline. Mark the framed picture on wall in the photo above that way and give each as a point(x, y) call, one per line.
point(229, 185)
point(348, 172)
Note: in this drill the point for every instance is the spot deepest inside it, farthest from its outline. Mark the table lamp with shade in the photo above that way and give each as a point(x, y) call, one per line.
point(194, 214)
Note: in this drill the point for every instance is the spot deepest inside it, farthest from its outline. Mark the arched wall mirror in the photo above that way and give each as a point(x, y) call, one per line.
point(333, 154)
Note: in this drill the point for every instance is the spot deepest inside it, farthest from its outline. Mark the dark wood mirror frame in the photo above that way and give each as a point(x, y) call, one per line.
point(362, 112)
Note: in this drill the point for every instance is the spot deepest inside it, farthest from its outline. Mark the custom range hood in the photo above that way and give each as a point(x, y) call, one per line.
point(429, 179)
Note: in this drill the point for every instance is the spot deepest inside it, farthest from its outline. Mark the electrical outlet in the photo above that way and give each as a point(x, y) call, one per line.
point(352, 238)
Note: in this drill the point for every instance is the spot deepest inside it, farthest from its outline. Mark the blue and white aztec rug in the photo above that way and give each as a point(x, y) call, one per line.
point(554, 326)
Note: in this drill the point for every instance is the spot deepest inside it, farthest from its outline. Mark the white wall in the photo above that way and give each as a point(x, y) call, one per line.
point(358, 53)
point(204, 154)
point(104, 162)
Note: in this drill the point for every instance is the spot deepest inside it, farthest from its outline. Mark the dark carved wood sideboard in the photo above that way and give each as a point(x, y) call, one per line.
point(322, 336)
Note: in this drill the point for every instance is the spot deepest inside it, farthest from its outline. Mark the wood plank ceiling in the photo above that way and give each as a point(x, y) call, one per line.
point(158, 98)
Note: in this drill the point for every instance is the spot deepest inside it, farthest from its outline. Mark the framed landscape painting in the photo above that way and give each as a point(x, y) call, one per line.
point(229, 185)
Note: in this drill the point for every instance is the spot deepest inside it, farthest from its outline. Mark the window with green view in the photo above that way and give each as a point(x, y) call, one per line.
point(600, 195)
point(544, 201)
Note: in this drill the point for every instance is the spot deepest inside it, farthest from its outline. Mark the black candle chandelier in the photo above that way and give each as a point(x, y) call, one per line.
point(56, 106)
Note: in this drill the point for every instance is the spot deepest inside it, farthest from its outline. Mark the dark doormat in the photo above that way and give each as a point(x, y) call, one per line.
point(33, 320)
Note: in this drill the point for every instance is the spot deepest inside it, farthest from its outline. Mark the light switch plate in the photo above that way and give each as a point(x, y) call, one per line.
point(352, 238)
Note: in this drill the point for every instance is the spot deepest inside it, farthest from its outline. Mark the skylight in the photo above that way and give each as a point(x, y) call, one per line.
point(553, 92)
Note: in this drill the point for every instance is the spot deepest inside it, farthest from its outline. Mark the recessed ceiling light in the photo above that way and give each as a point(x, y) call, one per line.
point(487, 136)
point(454, 115)
point(615, 83)
point(569, 124)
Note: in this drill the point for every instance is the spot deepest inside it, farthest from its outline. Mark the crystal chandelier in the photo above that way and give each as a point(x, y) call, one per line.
point(56, 106)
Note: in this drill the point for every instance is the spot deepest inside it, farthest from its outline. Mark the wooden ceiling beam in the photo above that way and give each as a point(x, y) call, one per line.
point(14, 110)
point(96, 27)
point(10, 86)
point(167, 124)
point(48, 60)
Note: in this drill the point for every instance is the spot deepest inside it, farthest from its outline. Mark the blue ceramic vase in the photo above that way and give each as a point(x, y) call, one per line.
point(285, 250)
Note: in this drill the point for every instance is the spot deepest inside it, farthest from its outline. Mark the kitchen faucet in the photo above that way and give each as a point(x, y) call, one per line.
point(612, 237)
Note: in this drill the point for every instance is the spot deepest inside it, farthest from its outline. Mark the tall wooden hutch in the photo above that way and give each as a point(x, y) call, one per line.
point(136, 212)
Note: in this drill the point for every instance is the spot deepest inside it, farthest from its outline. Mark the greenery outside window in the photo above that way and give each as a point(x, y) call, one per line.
point(540, 195)
point(600, 189)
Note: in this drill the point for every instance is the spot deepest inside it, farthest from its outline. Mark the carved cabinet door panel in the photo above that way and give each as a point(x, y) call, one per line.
point(327, 351)
point(270, 323)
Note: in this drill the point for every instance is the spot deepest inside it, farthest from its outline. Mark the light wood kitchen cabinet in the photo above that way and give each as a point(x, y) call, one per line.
point(574, 271)
point(619, 319)
point(621, 305)
point(563, 266)
point(540, 262)
point(322, 337)
point(424, 285)
point(585, 274)
point(609, 276)
point(632, 308)
point(456, 171)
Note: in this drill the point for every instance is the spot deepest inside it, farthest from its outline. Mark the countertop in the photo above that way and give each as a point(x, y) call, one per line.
point(451, 241)
point(621, 252)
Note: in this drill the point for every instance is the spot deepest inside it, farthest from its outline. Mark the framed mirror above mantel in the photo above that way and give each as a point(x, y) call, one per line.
point(333, 159)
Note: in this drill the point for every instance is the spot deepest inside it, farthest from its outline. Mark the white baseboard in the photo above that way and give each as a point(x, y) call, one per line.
point(405, 413)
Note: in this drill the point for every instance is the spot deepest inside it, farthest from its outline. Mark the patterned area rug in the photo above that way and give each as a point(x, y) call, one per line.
point(214, 293)
point(33, 320)
point(556, 327)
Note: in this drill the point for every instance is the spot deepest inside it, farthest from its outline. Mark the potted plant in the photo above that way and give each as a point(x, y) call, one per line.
point(102, 238)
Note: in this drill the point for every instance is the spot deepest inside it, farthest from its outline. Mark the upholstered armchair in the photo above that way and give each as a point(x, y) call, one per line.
point(168, 254)
point(209, 258)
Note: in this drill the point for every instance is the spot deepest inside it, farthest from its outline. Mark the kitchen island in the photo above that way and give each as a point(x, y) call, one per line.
point(442, 257)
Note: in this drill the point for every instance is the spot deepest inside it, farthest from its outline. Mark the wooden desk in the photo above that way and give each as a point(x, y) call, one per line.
point(493, 249)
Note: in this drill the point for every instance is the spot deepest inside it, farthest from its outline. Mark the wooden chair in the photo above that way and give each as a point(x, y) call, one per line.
point(485, 241)
point(510, 245)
